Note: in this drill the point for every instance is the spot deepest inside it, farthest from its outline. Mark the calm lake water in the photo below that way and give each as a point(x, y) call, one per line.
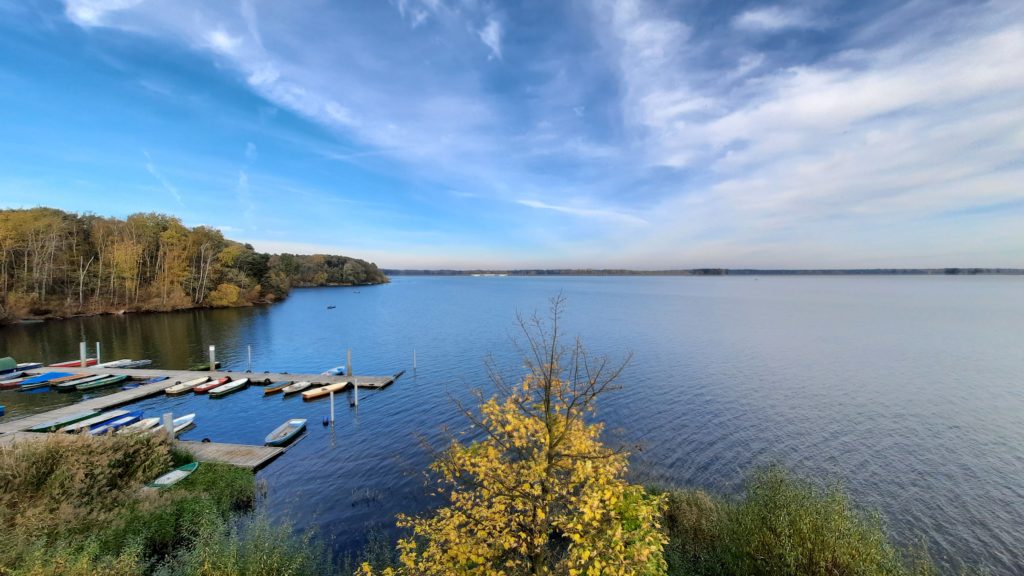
point(909, 390)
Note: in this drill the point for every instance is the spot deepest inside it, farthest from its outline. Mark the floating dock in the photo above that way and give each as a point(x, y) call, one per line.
point(260, 456)
point(242, 455)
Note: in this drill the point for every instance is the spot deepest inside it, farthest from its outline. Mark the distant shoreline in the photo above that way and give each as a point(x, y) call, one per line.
point(718, 272)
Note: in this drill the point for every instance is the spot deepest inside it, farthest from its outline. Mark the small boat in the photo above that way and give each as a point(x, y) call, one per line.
point(286, 432)
point(70, 378)
point(336, 371)
point(101, 383)
point(116, 424)
point(17, 375)
point(73, 363)
point(154, 380)
point(233, 386)
point(185, 387)
point(41, 381)
point(87, 423)
point(140, 426)
point(3, 410)
point(174, 476)
point(276, 387)
point(29, 365)
point(204, 388)
point(205, 366)
point(331, 307)
point(180, 424)
point(70, 385)
point(324, 390)
point(136, 364)
point(64, 421)
point(297, 387)
point(12, 383)
point(114, 364)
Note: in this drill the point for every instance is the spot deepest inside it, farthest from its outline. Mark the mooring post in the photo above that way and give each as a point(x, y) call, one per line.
point(82, 352)
point(348, 363)
point(98, 360)
point(413, 359)
point(169, 425)
point(213, 357)
point(355, 394)
point(332, 407)
point(250, 358)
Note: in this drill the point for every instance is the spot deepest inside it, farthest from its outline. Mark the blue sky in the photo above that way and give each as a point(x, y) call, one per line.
point(465, 133)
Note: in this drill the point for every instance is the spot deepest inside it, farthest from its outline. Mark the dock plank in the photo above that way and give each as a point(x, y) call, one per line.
point(242, 455)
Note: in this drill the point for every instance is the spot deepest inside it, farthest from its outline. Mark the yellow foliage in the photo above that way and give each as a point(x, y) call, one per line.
point(225, 295)
point(539, 494)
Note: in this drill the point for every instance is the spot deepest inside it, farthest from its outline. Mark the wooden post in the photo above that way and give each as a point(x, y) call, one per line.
point(213, 357)
point(169, 425)
point(413, 359)
point(98, 360)
point(348, 363)
point(82, 353)
point(250, 358)
point(332, 407)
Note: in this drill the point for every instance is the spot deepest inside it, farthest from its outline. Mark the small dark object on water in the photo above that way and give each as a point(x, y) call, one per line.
point(331, 307)
point(326, 421)
point(206, 440)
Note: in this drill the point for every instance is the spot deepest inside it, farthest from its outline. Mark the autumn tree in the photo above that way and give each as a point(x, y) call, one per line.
point(538, 492)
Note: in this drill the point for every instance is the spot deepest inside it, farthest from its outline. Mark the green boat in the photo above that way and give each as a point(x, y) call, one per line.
point(53, 425)
point(101, 383)
point(174, 476)
point(71, 385)
point(204, 366)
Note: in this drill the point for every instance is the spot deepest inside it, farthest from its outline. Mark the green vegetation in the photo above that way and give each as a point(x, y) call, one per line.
point(783, 526)
point(55, 263)
point(75, 505)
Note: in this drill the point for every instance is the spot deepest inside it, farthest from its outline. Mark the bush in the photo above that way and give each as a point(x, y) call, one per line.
point(783, 526)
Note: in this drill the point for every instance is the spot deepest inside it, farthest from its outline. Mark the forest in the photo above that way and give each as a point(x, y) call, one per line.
point(58, 264)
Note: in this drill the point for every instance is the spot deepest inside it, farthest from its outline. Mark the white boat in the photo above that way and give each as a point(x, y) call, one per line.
point(136, 364)
point(336, 371)
point(180, 424)
point(174, 476)
point(140, 426)
point(286, 432)
point(184, 387)
point(297, 387)
point(115, 364)
point(233, 386)
point(98, 419)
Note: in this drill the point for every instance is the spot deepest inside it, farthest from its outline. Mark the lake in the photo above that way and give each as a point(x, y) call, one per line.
point(908, 390)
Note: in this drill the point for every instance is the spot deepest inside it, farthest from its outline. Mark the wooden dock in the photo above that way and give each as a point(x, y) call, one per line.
point(242, 455)
point(144, 391)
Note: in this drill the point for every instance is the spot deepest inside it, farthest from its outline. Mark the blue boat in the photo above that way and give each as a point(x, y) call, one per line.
point(336, 371)
point(3, 410)
point(115, 423)
point(41, 380)
point(154, 380)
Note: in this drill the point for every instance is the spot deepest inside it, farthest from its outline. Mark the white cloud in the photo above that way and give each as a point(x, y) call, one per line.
point(584, 212)
point(221, 41)
point(93, 12)
point(773, 19)
point(164, 182)
point(490, 35)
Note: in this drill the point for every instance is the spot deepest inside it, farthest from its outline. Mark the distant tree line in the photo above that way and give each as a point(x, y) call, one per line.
point(56, 263)
point(709, 272)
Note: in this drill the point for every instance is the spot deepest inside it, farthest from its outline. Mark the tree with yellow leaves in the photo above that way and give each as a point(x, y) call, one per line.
point(538, 493)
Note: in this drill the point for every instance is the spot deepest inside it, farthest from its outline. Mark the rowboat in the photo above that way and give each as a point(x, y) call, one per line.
point(41, 381)
point(286, 432)
point(70, 385)
point(12, 383)
point(233, 386)
point(16, 375)
point(74, 363)
point(185, 387)
point(205, 366)
point(116, 424)
point(336, 371)
point(154, 380)
point(136, 364)
point(59, 422)
point(297, 387)
point(174, 476)
point(29, 365)
point(3, 410)
point(140, 426)
point(179, 424)
point(114, 363)
point(69, 378)
point(84, 424)
point(277, 387)
point(101, 383)
point(204, 388)
point(324, 391)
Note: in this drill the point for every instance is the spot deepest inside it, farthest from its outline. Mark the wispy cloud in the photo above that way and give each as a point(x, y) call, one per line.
point(170, 188)
point(490, 35)
point(583, 212)
point(774, 19)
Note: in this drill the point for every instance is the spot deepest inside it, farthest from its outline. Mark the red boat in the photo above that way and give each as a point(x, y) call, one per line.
point(204, 388)
point(11, 384)
point(74, 363)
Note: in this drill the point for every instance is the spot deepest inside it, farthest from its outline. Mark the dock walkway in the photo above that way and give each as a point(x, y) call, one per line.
point(242, 455)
